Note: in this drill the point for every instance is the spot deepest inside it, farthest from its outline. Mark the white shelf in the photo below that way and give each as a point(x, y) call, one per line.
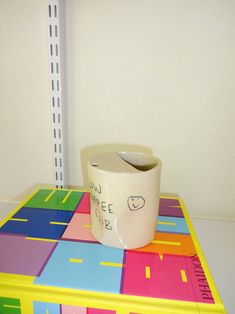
point(217, 242)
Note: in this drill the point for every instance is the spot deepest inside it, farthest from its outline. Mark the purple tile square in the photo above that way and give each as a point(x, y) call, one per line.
point(170, 207)
point(24, 256)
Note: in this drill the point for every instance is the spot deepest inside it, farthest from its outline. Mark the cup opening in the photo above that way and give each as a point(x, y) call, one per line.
point(94, 164)
point(139, 161)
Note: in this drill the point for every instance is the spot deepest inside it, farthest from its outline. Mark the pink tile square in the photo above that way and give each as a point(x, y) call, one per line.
point(79, 228)
point(99, 311)
point(84, 204)
point(68, 309)
point(166, 277)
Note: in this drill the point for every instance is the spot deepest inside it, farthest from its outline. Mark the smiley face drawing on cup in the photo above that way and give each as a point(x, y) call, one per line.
point(135, 202)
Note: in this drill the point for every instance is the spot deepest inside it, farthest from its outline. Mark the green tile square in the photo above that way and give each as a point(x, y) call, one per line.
point(9, 306)
point(55, 199)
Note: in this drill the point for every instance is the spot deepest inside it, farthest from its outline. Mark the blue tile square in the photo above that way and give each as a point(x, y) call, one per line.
point(172, 224)
point(84, 266)
point(38, 223)
point(45, 308)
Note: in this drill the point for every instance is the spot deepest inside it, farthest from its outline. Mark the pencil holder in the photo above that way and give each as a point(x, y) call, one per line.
point(124, 197)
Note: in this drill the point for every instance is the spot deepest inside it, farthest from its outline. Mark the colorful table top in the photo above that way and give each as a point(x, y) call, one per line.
point(47, 242)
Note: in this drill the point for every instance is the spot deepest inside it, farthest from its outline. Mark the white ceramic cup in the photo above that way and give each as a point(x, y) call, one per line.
point(124, 196)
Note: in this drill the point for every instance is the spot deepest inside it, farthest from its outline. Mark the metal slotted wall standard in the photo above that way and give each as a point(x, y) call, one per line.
point(57, 88)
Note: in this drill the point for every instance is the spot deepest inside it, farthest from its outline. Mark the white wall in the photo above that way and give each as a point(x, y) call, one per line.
point(154, 73)
point(160, 74)
point(25, 126)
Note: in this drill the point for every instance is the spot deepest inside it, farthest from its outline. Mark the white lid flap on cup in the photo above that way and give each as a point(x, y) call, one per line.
point(123, 162)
